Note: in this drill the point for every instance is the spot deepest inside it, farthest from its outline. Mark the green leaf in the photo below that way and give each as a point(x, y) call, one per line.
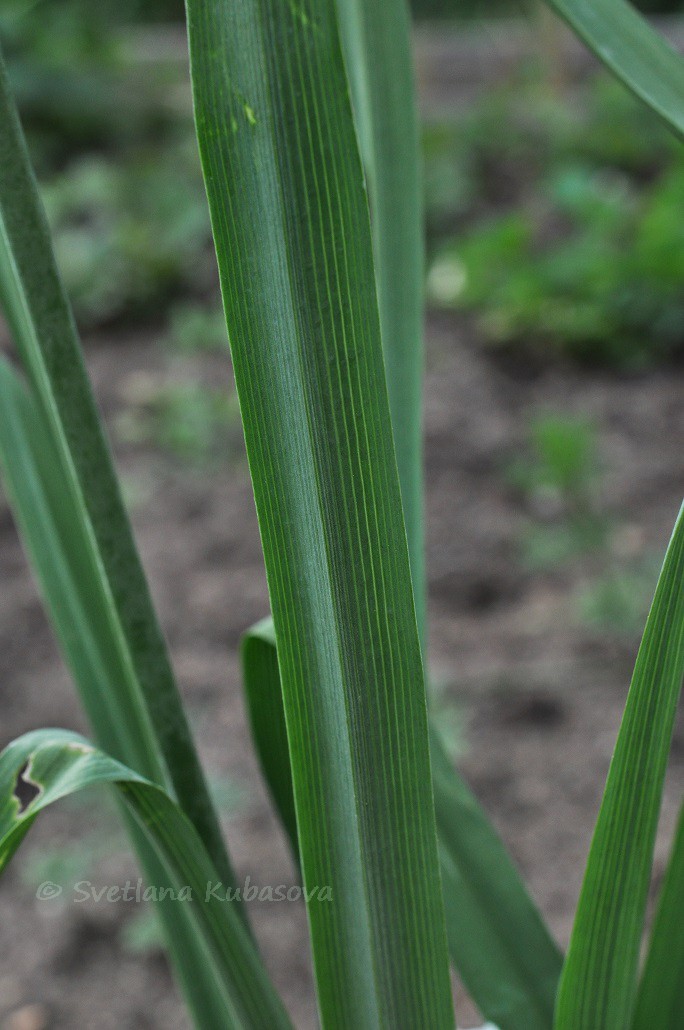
point(599, 980)
point(660, 1002)
point(377, 49)
point(290, 219)
point(497, 939)
point(53, 539)
point(263, 693)
point(56, 763)
point(49, 529)
point(635, 52)
point(155, 738)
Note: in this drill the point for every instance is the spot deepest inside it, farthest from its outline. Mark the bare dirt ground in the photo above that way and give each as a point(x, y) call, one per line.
point(539, 696)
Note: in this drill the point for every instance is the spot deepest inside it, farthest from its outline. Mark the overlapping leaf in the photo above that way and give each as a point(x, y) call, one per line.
point(497, 939)
point(489, 912)
point(499, 942)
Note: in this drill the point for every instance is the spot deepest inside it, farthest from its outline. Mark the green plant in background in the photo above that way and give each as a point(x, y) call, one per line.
point(588, 263)
point(194, 327)
point(376, 815)
point(131, 236)
point(188, 419)
point(616, 601)
point(559, 483)
point(482, 9)
point(609, 290)
point(108, 115)
point(75, 79)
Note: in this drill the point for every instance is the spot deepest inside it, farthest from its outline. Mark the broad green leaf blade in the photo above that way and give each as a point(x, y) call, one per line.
point(599, 981)
point(635, 52)
point(57, 763)
point(660, 1002)
point(158, 742)
point(377, 49)
point(497, 939)
point(49, 531)
point(290, 219)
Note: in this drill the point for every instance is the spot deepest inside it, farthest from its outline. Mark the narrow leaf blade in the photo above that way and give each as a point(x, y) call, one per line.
point(599, 981)
point(49, 532)
point(633, 50)
point(377, 49)
point(497, 939)
point(157, 740)
point(661, 993)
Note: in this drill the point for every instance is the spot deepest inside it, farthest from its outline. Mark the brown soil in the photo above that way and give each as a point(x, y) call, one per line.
point(539, 695)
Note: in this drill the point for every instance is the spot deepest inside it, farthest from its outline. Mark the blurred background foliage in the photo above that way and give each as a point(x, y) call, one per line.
point(553, 219)
point(561, 225)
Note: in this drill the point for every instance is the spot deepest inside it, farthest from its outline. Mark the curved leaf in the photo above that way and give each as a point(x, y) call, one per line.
point(56, 763)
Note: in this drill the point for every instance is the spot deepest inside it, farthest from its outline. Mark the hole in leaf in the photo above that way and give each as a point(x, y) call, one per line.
point(24, 790)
